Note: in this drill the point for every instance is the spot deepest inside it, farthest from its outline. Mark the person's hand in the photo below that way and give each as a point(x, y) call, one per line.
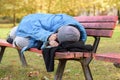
point(53, 37)
point(52, 40)
point(53, 43)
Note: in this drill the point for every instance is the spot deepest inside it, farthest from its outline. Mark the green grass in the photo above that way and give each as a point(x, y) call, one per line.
point(11, 65)
point(4, 32)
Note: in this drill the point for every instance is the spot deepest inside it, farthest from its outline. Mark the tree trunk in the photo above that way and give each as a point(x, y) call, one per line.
point(14, 16)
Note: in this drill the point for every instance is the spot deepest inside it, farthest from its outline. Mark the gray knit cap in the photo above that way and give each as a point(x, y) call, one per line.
point(68, 33)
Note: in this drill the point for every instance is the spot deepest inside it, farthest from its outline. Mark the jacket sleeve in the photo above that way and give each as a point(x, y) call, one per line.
point(40, 33)
point(82, 32)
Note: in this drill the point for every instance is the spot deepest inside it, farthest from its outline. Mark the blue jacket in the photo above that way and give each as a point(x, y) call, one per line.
point(40, 26)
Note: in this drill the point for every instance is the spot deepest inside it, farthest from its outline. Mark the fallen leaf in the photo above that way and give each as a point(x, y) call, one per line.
point(33, 73)
point(44, 78)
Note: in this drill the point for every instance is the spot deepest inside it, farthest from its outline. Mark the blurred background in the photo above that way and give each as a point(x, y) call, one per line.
point(11, 11)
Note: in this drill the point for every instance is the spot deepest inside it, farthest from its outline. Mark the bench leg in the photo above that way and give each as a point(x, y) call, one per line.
point(86, 69)
point(117, 65)
point(60, 70)
point(22, 58)
point(2, 50)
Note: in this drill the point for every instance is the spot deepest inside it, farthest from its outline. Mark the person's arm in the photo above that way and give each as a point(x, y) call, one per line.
point(47, 37)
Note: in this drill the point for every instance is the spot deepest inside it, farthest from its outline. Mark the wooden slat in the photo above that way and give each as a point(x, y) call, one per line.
point(71, 55)
point(96, 18)
point(108, 25)
point(101, 33)
point(109, 57)
point(5, 43)
point(35, 50)
point(68, 55)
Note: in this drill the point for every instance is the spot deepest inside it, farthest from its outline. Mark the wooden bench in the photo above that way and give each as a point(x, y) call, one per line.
point(96, 27)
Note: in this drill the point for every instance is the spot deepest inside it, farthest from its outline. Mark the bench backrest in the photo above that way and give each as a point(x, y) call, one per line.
point(101, 26)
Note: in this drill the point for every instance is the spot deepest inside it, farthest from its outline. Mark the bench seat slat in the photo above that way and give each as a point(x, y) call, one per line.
point(96, 18)
point(5, 43)
point(35, 50)
point(101, 33)
point(71, 55)
point(64, 55)
point(108, 25)
point(108, 57)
